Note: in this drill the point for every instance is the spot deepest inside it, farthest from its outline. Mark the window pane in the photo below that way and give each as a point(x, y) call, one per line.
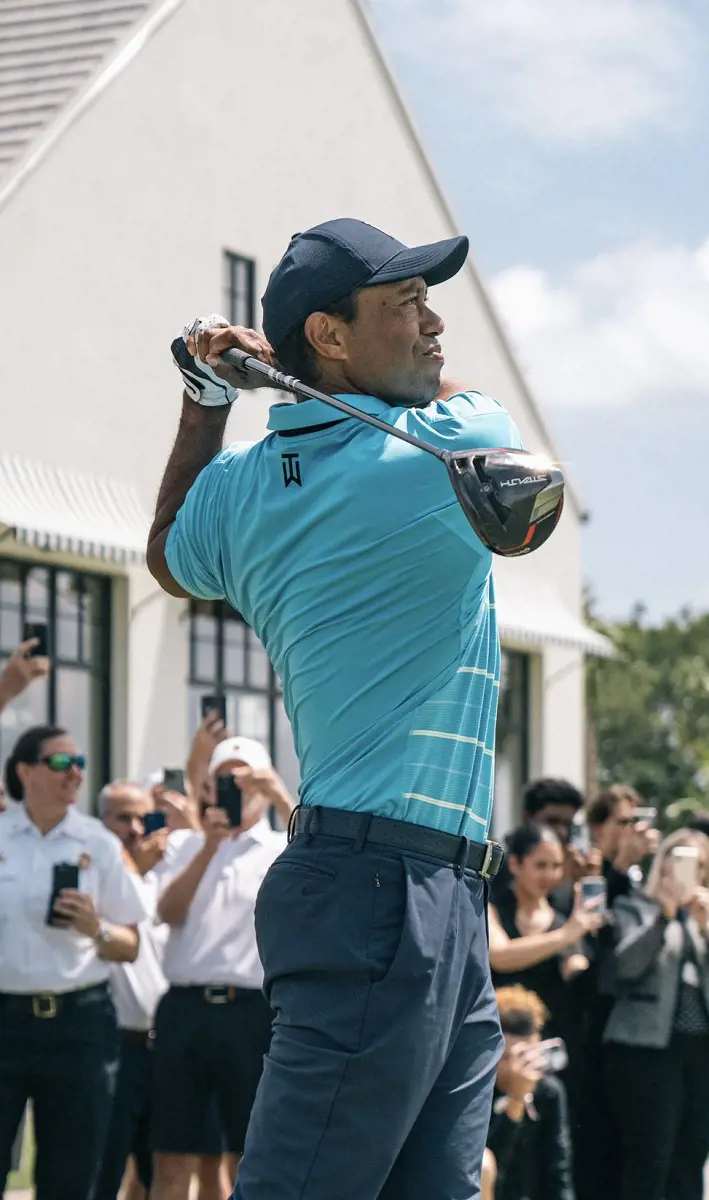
point(259, 666)
point(247, 716)
point(37, 594)
point(234, 633)
point(79, 711)
point(10, 624)
point(204, 648)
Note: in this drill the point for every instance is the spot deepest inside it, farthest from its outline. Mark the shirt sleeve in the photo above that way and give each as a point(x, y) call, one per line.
point(181, 849)
point(121, 896)
point(193, 547)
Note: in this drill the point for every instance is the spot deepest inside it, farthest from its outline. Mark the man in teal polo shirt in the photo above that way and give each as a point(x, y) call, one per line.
point(347, 552)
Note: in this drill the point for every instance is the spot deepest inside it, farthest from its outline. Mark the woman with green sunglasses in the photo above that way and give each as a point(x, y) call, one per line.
point(69, 905)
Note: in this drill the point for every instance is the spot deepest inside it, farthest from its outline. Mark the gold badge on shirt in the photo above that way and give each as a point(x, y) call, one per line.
point(84, 862)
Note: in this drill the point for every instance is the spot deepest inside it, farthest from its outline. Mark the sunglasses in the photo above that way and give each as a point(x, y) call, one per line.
point(64, 762)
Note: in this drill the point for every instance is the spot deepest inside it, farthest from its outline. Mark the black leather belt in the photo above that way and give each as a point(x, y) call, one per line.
point(367, 829)
point(214, 993)
point(47, 1005)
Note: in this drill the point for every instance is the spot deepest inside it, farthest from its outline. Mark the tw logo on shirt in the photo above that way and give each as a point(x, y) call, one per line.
point(291, 470)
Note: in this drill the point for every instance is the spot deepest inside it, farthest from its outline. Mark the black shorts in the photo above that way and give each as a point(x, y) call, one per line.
point(206, 1052)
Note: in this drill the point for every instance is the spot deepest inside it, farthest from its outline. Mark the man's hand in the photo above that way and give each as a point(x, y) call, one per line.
point(179, 810)
point(216, 829)
point(266, 782)
point(19, 672)
point(197, 354)
point(150, 850)
point(77, 912)
point(636, 843)
point(579, 866)
point(699, 908)
point(670, 895)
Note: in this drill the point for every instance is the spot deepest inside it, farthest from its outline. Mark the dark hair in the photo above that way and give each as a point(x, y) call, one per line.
point(541, 792)
point(27, 749)
point(522, 1013)
point(525, 838)
point(294, 353)
point(605, 802)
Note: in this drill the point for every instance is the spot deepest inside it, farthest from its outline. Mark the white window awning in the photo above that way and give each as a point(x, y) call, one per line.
point(53, 508)
point(531, 613)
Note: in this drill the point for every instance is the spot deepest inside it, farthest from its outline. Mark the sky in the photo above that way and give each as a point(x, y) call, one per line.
point(571, 139)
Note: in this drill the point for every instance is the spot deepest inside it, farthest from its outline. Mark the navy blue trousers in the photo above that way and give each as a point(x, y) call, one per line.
point(66, 1065)
point(129, 1130)
point(380, 1075)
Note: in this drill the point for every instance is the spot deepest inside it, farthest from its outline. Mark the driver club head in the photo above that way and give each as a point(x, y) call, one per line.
point(512, 499)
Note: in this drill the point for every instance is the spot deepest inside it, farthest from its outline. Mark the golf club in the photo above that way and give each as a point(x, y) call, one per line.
point(512, 499)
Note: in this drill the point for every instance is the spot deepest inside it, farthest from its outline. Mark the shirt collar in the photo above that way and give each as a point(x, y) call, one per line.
point(69, 825)
point(315, 412)
point(260, 832)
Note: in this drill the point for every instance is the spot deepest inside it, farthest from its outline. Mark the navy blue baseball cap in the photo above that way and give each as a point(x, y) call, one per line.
point(331, 260)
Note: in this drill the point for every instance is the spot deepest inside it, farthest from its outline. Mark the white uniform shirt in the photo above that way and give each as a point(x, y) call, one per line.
point(217, 942)
point(35, 957)
point(138, 986)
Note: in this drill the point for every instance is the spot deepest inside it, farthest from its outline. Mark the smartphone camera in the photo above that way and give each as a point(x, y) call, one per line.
point(229, 799)
point(41, 633)
point(65, 875)
point(153, 821)
point(213, 704)
point(173, 779)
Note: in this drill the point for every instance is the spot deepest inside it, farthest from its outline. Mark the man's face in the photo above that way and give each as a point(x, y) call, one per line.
point(391, 348)
point(608, 835)
point(558, 817)
point(124, 816)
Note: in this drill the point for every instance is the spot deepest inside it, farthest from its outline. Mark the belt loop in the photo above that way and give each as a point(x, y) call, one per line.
point(362, 833)
point(461, 858)
point(313, 821)
point(292, 822)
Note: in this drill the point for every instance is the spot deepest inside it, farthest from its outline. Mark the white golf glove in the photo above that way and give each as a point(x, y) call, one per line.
point(201, 383)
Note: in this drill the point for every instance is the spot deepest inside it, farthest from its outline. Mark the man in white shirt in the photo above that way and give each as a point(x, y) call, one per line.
point(213, 1025)
point(137, 988)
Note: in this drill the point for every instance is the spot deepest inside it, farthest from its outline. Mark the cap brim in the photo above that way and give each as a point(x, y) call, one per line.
point(434, 263)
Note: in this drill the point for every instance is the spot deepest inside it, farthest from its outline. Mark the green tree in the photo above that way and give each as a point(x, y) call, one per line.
point(649, 708)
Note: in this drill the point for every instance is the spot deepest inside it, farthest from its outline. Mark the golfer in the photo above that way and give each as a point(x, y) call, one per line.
point(347, 552)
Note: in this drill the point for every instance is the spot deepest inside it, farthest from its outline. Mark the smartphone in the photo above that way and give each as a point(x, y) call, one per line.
point(229, 798)
point(153, 821)
point(593, 886)
point(65, 875)
point(549, 1057)
point(214, 704)
point(647, 816)
point(41, 632)
point(173, 779)
point(684, 861)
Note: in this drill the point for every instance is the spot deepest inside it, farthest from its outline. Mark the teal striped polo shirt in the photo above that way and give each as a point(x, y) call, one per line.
point(346, 551)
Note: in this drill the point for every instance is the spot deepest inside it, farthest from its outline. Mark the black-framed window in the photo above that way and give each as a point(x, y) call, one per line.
point(239, 289)
point(226, 657)
point(512, 740)
point(76, 607)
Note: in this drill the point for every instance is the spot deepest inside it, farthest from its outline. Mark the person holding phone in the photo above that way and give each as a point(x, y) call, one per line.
point(529, 1129)
point(69, 906)
point(213, 1026)
point(657, 1036)
point(128, 810)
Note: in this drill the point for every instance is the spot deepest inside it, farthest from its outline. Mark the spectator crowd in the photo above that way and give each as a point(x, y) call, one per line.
point(133, 1018)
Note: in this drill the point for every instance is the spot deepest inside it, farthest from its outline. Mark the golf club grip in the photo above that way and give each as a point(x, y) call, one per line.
point(246, 362)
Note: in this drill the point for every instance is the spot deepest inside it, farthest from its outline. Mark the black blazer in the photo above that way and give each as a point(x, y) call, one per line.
point(534, 1157)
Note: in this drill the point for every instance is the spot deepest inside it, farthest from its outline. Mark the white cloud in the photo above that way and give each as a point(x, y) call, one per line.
point(558, 71)
point(623, 327)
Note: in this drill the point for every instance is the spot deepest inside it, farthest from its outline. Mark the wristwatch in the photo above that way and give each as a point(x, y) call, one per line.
point(103, 936)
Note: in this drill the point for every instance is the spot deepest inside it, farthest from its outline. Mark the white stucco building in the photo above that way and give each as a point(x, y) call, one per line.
point(155, 159)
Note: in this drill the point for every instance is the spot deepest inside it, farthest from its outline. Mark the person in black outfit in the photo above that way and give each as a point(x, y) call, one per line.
point(657, 1036)
point(554, 803)
point(623, 843)
point(529, 1133)
point(530, 943)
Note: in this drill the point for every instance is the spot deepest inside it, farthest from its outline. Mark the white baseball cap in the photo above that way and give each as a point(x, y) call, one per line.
point(240, 749)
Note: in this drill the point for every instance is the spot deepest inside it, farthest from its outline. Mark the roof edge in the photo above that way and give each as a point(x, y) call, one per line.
point(108, 70)
point(367, 25)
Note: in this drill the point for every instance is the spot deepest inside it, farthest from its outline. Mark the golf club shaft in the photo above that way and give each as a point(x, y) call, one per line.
point(245, 362)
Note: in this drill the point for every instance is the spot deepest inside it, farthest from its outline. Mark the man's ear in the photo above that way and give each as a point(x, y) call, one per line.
point(325, 334)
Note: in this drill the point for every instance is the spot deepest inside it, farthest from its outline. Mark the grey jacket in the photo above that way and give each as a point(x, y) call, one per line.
point(648, 956)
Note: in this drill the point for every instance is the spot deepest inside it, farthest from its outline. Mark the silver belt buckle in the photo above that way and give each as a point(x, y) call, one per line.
point(487, 861)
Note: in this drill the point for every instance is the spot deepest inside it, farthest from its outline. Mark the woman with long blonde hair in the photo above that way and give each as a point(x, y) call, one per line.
point(657, 1037)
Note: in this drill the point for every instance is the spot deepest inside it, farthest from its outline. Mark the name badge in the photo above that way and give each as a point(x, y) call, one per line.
point(690, 974)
